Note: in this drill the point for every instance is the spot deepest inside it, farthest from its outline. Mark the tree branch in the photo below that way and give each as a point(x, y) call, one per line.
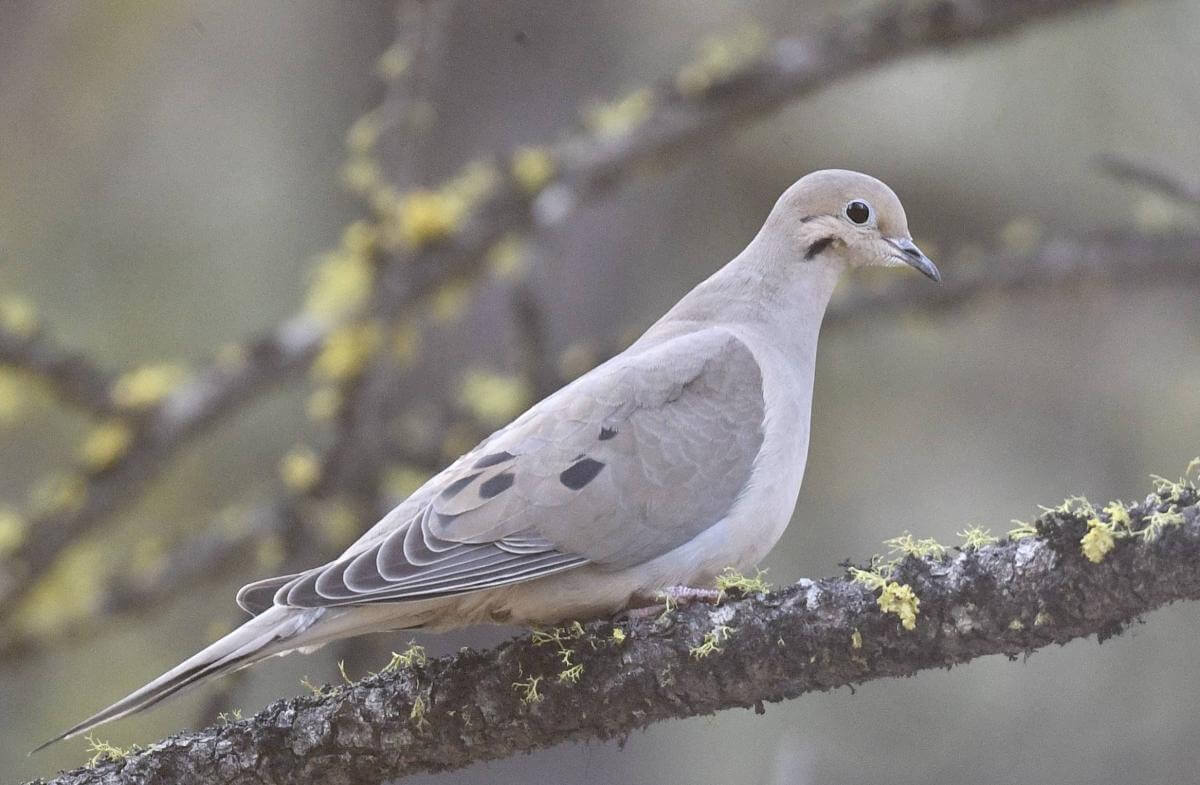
point(1168, 185)
point(71, 374)
point(1008, 598)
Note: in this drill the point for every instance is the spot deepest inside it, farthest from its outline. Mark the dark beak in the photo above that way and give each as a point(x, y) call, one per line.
point(910, 254)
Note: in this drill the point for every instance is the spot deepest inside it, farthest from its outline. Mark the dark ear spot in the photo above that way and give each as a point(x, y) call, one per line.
point(453, 488)
point(494, 486)
point(580, 473)
point(817, 247)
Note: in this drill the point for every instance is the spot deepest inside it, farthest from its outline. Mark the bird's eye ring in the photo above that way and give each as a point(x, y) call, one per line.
point(858, 211)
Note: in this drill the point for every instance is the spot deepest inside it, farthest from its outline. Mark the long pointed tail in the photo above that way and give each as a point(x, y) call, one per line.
point(276, 631)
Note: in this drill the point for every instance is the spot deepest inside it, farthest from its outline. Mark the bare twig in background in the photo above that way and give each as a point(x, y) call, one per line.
point(1059, 581)
point(75, 379)
point(1169, 185)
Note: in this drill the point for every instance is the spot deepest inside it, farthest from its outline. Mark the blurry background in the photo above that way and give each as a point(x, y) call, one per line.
point(180, 175)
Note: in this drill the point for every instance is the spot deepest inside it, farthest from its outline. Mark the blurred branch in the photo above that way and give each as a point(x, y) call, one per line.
point(160, 432)
point(1007, 598)
point(1112, 257)
point(71, 374)
point(1160, 182)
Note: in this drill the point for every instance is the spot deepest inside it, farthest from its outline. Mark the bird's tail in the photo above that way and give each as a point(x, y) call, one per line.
point(276, 631)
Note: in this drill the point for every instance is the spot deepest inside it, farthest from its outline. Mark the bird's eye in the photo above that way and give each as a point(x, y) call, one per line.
point(858, 211)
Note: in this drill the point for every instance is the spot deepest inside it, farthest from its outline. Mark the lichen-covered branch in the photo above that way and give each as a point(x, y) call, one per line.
point(27, 344)
point(1076, 571)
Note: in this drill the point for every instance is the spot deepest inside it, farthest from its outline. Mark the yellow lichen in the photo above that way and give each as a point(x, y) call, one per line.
point(146, 386)
point(899, 598)
point(393, 62)
point(340, 284)
point(1021, 235)
point(13, 397)
point(493, 399)
point(529, 690)
point(1016, 625)
point(269, 553)
point(338, 523)
point(617, 118)
point(1118, 515)
point(13, 531)
point(401, 480)
point(712, 638)
point(450, 301)
point(977, 537)
point(532, 168)
point(56, 494)
point(18, 316)
point(105, 444)
point(576, 360)
point(300, 469)
point(718, 59)
point(856, 640)
point(363, 133)
point(362, 176)
point(425, 217)
point(406, 343)
point(508, 258)
point(346, 351)
point(731, 579)
point(618, 635)
point(324, 403)
point(1098, 540)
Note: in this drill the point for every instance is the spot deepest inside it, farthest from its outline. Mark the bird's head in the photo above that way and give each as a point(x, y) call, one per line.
point(848, 216)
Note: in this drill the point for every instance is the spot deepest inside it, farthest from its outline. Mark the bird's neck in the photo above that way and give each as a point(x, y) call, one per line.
point(768, 291)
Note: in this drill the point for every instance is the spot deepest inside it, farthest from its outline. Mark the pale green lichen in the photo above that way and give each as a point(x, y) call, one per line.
point(105, 444)
point(300, 469)
point(1098, 540)
point(907, 545)
point(532, 168)
point(145, 386)
point(975, 537)
point(570, 675)
point(345, 351)
point(414, 655)
point(1021, 530)
point(417, 715)
point(712, 639)
point(492, 398)
point(529, 690)
point(102, 751)
point(856, 640)
point(732, 580)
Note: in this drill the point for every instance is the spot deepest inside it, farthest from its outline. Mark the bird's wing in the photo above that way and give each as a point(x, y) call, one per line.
point(624, 464)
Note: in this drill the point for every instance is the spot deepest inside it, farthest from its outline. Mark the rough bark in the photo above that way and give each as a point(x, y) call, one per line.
point(1008, 598)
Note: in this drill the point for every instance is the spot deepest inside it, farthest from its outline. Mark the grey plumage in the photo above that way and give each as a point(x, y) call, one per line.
point(678, 457)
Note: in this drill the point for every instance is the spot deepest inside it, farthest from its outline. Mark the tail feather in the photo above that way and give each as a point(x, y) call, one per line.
point(276, 631)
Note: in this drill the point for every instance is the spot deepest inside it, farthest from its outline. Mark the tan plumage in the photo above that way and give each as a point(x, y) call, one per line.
point(679, 457)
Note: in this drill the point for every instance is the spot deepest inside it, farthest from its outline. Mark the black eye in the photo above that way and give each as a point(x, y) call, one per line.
point(858, 211)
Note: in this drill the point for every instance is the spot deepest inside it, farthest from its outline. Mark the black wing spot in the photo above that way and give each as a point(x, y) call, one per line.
point(817, 247)
point(607, 433)
point(453, 488)
point(494, 486)
point(493, 459)
point(580, 473)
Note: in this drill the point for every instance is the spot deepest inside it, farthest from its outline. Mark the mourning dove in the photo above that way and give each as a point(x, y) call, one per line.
point(677, 458)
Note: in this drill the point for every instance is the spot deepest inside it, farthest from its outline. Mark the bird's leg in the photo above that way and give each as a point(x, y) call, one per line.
point(642, 606)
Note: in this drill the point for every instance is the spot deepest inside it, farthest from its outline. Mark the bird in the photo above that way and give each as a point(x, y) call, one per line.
point(675, 459)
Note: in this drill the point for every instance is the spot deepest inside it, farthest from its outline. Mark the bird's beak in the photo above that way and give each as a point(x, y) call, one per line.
point(912, 255)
